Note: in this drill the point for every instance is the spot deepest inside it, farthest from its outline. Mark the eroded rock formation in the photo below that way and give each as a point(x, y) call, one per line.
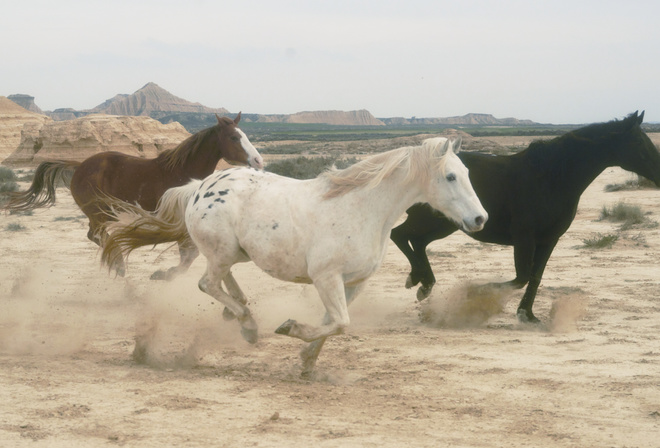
point(83, 137)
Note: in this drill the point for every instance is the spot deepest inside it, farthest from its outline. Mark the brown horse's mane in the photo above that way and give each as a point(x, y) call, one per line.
point(177, 157)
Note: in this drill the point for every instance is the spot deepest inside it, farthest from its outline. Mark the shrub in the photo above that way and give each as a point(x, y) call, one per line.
point(7, 175)
point(307, 167)
point(600, 241)
point(632, 184)
point(7, 180)
point(14, 227)
point(8, 187)
point(627, 215)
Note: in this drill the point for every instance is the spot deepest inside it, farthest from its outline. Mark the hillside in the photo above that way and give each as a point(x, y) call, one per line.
point(14, 122)
point(152, 101)
point(471, 119)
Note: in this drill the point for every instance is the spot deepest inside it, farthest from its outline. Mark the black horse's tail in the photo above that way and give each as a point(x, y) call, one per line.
point(42, 191)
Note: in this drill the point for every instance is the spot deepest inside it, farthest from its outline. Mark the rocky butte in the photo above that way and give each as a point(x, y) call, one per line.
point(83, 137)
point(14, 122)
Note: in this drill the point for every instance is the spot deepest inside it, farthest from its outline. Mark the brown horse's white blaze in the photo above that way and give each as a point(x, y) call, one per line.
point(254, 159)
point(331, 231)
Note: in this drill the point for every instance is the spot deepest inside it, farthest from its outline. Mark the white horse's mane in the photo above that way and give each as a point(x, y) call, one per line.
point(369, 173)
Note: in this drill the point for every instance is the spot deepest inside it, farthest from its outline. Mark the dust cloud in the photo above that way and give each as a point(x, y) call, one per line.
point(466, 305)
point(566, 311)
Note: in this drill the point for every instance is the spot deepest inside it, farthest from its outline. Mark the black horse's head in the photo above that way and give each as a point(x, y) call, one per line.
point(637, 152)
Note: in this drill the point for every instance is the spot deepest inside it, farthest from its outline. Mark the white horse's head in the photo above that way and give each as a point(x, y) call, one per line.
point(450, 190)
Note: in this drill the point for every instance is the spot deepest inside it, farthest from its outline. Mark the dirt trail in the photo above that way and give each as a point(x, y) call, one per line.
point(588, 376)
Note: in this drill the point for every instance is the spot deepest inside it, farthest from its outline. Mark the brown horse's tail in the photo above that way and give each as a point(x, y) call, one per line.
point(131, 226)
point(42, 191)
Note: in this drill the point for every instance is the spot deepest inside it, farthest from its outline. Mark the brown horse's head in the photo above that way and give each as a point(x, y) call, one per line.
point(235, 147)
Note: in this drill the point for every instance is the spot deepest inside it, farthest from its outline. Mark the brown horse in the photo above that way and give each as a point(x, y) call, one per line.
point(137, 180)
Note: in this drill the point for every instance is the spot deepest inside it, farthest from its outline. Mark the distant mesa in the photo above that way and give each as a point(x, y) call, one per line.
point(153, 101)
point(26, 102)
point(470, 119)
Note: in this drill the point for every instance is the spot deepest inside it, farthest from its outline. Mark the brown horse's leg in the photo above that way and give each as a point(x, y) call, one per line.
point(97, 235)
point(188, 252)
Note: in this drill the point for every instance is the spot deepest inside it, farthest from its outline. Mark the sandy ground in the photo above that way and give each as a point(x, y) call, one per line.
point(471, 376)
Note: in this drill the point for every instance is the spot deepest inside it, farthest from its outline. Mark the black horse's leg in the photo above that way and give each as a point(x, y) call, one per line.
point(422, 226)
point(540, 260)
point(524, 250)
point(419, 245)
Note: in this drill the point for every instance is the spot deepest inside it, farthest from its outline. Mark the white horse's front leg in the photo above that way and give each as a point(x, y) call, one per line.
point(310, 354)
point(331, 291)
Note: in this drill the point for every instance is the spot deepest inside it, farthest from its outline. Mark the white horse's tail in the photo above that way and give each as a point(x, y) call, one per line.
point(132, 226)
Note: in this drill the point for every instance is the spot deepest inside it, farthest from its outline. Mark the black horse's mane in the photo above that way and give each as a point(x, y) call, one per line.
point(542, 153)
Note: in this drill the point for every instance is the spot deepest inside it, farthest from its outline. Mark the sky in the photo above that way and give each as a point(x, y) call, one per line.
point(556, 61)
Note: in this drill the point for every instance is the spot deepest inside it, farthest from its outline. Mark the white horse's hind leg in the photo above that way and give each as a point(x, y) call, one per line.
point(331, 290)
point(188, 253)
point(211, 284)
point(235, 291)
point(310, 354)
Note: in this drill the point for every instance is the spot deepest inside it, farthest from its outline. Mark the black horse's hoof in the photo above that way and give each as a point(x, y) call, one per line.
point(285, 328)
point(526, 317)
point(228, 314)
point(308, 375)
point(423, 292)
point(409, 282)
point(250, 335)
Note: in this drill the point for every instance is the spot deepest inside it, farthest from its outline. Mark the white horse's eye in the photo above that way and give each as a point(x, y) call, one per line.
point(451, 177)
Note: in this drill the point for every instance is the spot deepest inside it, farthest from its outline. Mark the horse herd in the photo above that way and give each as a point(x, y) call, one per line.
point(333, 231)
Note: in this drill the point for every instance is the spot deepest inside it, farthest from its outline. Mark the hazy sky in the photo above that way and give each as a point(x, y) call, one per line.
point(550, 61)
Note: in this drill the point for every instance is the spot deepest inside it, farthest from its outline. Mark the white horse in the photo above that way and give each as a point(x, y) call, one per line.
point(331, 231)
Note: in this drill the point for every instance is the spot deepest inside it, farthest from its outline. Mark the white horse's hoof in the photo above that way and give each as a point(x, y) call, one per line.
point(228, 314)
point(285, 328)
point(249, 335)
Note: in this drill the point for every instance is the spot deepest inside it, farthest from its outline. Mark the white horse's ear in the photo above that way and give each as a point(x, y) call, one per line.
point(443, 147)
point(456, 144)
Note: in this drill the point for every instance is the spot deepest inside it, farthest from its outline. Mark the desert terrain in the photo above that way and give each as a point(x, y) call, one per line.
point(459, 371)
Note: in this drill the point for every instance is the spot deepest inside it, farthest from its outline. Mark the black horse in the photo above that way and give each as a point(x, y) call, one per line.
point(531, 198)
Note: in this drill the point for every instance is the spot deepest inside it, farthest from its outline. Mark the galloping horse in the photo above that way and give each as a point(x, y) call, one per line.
point(531, 198)
point(137, 180)
point(331, 231)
